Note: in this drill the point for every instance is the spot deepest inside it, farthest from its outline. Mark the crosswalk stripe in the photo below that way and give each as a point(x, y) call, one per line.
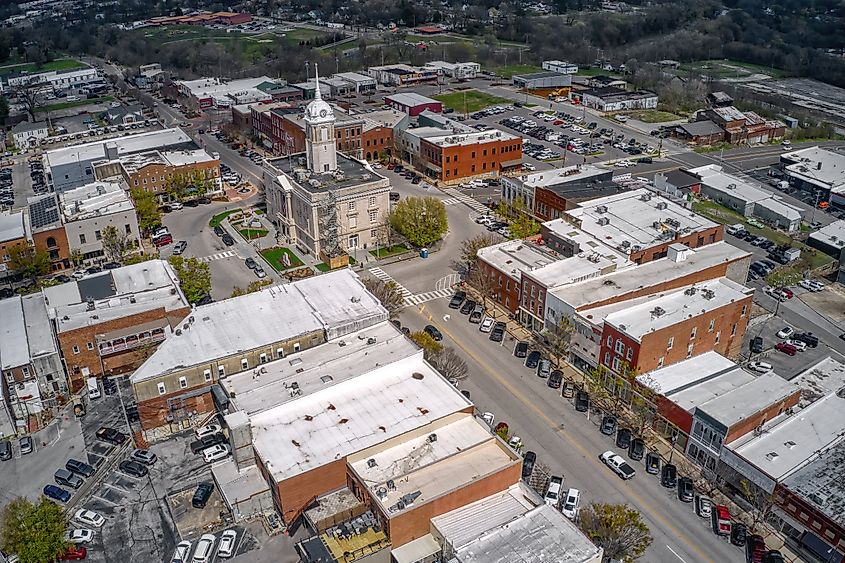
point(450, 201)
point(385, 277)
point(421, 298)
point(217, 256)
point(463, 198)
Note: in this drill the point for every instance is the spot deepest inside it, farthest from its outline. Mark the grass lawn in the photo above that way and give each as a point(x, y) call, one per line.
point(252, 234)
point(217, 219)
point(389, 251)
point(322, 266)
point(596, 71)
point(728, 69)
point(469, 100)
point(58, 64)
point(274, 258)
point(508, 71)
point(653, 116)
point(297, 35)
point(78, 103)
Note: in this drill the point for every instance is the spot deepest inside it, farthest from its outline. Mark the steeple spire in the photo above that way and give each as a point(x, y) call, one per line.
point(317, 95)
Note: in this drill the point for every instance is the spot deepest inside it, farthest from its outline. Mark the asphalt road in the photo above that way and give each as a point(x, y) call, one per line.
point(567, 442)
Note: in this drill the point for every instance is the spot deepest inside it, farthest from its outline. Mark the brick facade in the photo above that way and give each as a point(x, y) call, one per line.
point(505, 289)
point(55, 242)
point(156, 177)
point(295, 494)
point(375, 141)
point(453, 163)
point(692, 240)
point(810, 517)
point(748, 425)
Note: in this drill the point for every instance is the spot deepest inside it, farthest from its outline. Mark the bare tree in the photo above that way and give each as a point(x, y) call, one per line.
point(483, 280)
point(450, 364)
point(27, 93)
point(470, 248)
point(618, 528)
point(761, 502)
point(389, 295)
point(557, 340)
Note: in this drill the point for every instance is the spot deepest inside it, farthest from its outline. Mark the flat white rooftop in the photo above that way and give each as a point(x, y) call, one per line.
point(11, 226)
point(129, 144)
point(560, 175)
point(818, 166)
point(635, 220)
point(410, 99)
point(655, 312)
point(477, 137)
point(831, 235)
point(306, 372)
point(352, 415)
point(789, 441)
point(430, 461)
point(714, 177)
point(337, 303)
point(748, 399)
point(823, 378)
point(513, 257)
point(677, 377)
point(94, 200)
point(650, 274)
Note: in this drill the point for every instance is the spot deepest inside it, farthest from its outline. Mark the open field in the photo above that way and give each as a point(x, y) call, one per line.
point(728, 69)
point(58, 64)
point(653, 116)
point(78, 103)
point(469, 101)
point(508, 71)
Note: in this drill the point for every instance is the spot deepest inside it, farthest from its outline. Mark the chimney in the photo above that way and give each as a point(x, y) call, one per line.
point(240, 439)
point(677, 252)
point(111, 151)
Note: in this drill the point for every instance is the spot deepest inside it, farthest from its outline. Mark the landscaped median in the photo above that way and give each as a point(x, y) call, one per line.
point(217, 219)
point(276, 258)
point(387, 251)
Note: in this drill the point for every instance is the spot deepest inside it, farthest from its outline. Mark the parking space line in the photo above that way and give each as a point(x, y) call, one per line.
point(116, 487)
point(98, 497)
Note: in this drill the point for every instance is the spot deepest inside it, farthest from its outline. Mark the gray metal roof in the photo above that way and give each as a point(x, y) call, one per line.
point(701, 128)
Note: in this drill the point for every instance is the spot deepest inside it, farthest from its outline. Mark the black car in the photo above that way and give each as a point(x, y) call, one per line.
point(202, 494)
point(757, 345)
point(686, 490)
point(205, 300)
point(498, 332)
point(457, 299)
point(652, 463)
point(79, 467)
point(5, 450)
point(433, 332)
point(219, 231)
point(528, 462)
point(250, 263)
point(608, 425)
point(636, 450)
point(133, 468)
point(111, 435)
point(623, 438)
point(773, 556)
point(738, 534)
point(228, 240)
point(669, 476)
point(521, 349)
point(206, 442)
point(533, 359)
point(807, 338)
point(582, 401)
point(555, 379)
point(467, 307)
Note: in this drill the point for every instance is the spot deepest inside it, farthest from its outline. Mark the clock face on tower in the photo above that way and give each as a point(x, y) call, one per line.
point(323, 113)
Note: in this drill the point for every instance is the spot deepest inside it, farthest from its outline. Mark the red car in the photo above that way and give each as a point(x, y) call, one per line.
point(787, 292)
point(391, 166)
point(787, 349)
point(558, 122)
point(74, 553)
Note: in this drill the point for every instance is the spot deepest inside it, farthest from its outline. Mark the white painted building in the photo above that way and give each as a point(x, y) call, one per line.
point(27, 134)
point(561, 67)
point(457, 71)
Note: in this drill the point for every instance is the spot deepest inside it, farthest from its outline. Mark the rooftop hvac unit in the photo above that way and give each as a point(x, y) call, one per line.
point(371, 463)
point(708, 294)
point(690, 291)
point(656, 225)
point(661, 205)
point(601, 209)
point(625, 244)
point(658, 311)
point(603, 221)
point(646, 197)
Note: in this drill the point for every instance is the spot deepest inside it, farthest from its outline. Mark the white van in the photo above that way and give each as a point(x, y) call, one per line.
point(552, 495)
point(72, 99)
point(93, 388)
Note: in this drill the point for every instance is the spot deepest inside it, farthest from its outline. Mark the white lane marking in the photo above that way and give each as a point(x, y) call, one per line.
point(675, 554)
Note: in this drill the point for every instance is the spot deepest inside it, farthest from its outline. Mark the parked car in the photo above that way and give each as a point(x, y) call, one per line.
point(760, 367)
point(203, 552)
point(582, 401)
point(786, 332)
point(686, 490)
point(202, 494)
point(533, 359)
point(617, 464)
point(79, 535)
point(206, 442)
point(457, 299)
point(808, 338)
point(623, 438)
point(652, 463)
point(134, 468)
point(111, 435)
point(521, 349)
point(433, 332)
point(773, 556)
point(215, 453)
point(477, 314)
point(799, 345)
point(553, 491)
point(487, 324)
point(738, 533)
point(703, 506)
point(787, 349)
point(26, 445)
point(5, 450)
point(180, 247)
point(555, 379)
point(571, 504)
point(143, 456)
point(250, 263)
point(636, 450)
point(182, 552)
point(89, 518)
point(568, 390)
point(528, 461)
point(757, 345)
point(755, 549)
point(608, 425)
point(227, 239)
point(669, 476)
point(226, 547)
point(467, 307)
point(74, 553)
point(67, 478)
point(56, 493)
point(498, 332)
point(544, 368)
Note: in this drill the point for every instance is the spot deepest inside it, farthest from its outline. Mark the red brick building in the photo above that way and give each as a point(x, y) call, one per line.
point(413, 104)
point(456, 157)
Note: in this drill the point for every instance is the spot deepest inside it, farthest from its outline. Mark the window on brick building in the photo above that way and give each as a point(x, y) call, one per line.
point(718, 336)
point(262, 358)
point(671, 343)
point(620, 347)
point(183, 382)
point(744, 310)
point(733, 329)
point(607, 358)
point(712, 325)
point(693, 332)
point(75, 349)
point(689, 351)
point(221, 371)
point(244, 363)
point(206, 374)
point(90, 345)
point(609, 340)
point(660, 362)
point(630, 354)
point(161, 388)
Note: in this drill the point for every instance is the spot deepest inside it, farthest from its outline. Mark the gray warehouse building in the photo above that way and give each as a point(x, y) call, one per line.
point(542, 80)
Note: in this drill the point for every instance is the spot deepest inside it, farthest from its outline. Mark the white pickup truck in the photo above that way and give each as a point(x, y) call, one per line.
point(618, 464)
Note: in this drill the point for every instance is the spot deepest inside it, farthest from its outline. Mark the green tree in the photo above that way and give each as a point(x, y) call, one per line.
point(116, 244)
point(29, 261)
point(557, 340)
point(35, 532)
point(4, 108)
point(618, 529)
point(421, 220)
point(146, 206)
point(188, 185)
point(430, 346)
point(524, 226)
point(470, 248)
point(388, 293)
point(194, 277)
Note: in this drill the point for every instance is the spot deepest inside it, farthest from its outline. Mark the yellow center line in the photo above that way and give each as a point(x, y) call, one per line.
point(652, 511)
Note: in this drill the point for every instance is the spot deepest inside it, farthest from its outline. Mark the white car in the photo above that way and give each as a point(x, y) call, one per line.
point(183, 550)
point(800, 345)
point(786, 332)
point(816, 285)
point(226, 547)
point(760, 367)
point(216, 452)
point(487, 324)
point(204, 551)
point(618, 464)
point(807, 284)
point(176, 206)
point(207, 430)
point(552, 495)
point(89, 518)
point(79, 535)
point(484, 219)
point(571, 504)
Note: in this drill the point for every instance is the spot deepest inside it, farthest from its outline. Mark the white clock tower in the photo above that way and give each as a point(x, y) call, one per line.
point(320, 148)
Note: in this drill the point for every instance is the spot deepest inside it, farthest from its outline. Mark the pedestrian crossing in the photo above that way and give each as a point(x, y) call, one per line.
point(421, 298)
point(218, 256)
point(385, 277)
point(450, 201)
point(465, 199)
